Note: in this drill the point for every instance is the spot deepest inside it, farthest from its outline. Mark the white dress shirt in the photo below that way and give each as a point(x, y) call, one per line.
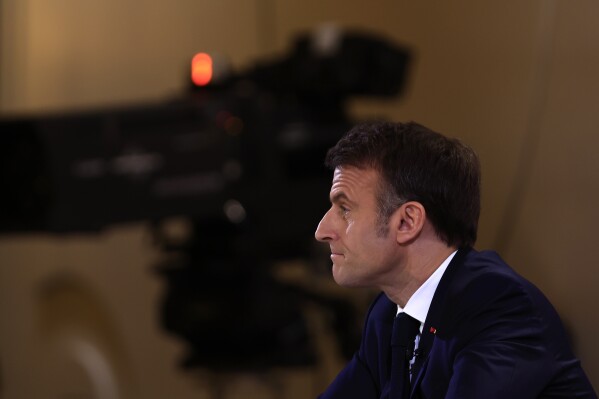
point(420, 301)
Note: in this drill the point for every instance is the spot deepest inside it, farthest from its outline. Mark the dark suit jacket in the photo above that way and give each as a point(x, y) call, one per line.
point(488, 334)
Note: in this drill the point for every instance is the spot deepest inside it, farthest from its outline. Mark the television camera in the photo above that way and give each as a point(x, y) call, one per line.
point(239, 156)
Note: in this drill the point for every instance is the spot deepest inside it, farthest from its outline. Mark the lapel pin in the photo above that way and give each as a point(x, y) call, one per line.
point(433, 330)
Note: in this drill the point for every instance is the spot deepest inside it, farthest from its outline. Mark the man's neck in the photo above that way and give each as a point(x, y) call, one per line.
point(420, 263)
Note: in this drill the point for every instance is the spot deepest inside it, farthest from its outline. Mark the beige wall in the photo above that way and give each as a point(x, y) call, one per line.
point(516, 80)
point(113, 299)
point(554, 227)
point(68, 54)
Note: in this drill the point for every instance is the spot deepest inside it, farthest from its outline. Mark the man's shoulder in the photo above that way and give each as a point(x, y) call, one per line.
point(484, 280)
point(486, 267)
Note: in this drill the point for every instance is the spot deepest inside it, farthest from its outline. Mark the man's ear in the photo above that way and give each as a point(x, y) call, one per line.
point(409, 221)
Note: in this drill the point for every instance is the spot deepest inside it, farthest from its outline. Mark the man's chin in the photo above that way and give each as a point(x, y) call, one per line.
point(343, 279)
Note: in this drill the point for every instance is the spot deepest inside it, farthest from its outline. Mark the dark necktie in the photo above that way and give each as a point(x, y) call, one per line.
point(404, 333)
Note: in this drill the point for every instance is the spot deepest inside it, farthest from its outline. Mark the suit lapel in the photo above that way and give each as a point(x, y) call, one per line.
point(432, 324)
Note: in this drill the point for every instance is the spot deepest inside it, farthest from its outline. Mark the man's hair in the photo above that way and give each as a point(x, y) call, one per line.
point(417, 164)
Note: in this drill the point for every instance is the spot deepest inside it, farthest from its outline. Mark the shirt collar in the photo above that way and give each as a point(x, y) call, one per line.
point(419, 303)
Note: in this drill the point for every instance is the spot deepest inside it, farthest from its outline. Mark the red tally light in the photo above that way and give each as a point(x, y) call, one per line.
point(201, 69)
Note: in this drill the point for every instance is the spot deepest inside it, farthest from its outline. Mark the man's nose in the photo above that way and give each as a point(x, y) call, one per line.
point(324, 231)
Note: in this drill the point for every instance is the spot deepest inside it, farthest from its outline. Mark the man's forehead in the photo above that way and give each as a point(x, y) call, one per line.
point(353, 177)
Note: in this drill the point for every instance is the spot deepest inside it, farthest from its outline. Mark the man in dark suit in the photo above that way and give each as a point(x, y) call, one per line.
point(404, 215)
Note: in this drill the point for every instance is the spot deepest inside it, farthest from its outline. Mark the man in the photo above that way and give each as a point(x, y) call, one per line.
point(404, 215)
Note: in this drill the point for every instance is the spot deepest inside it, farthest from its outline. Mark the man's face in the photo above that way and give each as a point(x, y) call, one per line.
point(361, 255)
